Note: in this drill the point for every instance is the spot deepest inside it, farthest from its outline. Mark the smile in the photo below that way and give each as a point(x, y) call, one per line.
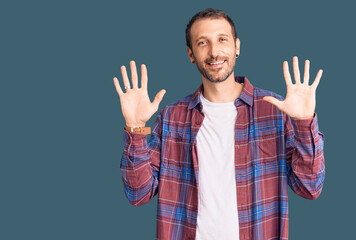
point(216, 64)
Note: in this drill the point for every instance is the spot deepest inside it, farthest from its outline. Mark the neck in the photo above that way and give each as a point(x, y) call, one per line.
point(220, 92)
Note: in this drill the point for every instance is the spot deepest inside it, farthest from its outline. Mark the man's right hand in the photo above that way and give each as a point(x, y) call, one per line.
point(135, 102)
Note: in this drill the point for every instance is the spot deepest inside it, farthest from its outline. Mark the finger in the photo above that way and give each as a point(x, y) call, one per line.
point(158, 98)
point(117, 86)
point(286, 73)
point(273, 101)
point(306, 72)
point(134, 78)
point(144, 78)
point(125, 77)
point(296, 70)
point(317, 79)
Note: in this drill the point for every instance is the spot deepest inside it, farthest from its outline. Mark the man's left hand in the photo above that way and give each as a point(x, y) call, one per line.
point(300, 100)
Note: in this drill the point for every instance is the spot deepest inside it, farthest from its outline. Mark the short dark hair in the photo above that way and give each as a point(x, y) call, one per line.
point(208, 13)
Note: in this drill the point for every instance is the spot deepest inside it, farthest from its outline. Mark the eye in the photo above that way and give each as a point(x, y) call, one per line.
point(223, 39)
point(202, 42)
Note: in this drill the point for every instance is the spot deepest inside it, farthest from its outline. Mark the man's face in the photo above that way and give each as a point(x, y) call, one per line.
point(213, 48)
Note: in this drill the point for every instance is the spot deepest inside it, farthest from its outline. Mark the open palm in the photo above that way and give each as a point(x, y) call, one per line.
point(300, 100)
point(135, 103)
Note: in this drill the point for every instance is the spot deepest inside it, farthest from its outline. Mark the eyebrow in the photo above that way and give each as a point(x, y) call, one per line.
point(220, 34)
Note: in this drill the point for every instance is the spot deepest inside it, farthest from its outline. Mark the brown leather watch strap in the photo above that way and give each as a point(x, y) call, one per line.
point(140, 130)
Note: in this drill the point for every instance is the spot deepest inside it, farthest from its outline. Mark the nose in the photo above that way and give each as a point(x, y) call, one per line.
point(213, 50)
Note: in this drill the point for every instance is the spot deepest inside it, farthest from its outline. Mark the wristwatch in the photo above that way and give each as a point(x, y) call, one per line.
point(140, 130)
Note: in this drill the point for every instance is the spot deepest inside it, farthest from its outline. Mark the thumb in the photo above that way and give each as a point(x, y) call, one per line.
point(273, 101)
point(158, 97)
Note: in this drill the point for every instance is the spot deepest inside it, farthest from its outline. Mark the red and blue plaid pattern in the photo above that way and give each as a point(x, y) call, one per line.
point(272, 151)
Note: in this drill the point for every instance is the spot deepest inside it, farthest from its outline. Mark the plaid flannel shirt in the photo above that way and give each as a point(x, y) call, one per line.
point(272, 151)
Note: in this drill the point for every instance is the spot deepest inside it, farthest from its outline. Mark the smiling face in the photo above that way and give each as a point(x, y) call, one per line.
point(213, 48)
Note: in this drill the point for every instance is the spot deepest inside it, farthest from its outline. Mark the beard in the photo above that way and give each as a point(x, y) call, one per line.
point(217, 75)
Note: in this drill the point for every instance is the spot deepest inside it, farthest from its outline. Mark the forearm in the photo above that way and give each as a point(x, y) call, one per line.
point(135, 160)
point(306, 166)
point(138, 177)
point(140, 165)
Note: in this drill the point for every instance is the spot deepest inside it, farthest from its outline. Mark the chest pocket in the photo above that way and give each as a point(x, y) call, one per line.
point(177, 149)
point(268, 142)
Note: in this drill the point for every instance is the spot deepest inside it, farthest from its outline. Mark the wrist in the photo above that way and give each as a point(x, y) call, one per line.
point(140, 130)
point(303, 117)
point(135, 125)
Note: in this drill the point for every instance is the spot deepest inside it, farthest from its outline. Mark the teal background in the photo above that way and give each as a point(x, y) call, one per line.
point(61, 120)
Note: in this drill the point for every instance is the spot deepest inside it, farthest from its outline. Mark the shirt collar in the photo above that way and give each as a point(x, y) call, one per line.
point(246, 94)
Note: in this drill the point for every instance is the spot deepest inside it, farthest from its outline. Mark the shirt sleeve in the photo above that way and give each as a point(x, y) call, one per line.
point(305, 156)
point(140, 164)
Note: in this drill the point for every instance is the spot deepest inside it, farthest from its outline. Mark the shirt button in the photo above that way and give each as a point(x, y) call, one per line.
point(179, 139)
point(197, 122)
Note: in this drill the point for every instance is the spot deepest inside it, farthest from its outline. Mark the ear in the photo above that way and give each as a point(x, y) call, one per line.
point(190, 54)
point(237, 44)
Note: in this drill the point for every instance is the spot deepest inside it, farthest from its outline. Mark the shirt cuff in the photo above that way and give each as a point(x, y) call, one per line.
point(303, 127)
point(135, 140)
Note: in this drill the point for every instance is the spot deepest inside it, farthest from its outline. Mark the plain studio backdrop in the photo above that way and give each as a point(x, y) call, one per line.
point(61, 120)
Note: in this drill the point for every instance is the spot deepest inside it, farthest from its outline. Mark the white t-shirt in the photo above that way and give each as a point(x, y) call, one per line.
point(217, 204)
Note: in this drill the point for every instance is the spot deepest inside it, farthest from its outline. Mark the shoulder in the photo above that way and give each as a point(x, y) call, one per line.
point(183, 103)
point(265, 111)
point(178, 109)
point(260, 93)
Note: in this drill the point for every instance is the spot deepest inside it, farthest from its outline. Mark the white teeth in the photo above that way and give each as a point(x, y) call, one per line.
point(216, 63)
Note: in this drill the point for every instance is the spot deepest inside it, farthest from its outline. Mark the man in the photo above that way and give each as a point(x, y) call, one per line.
point(221, 159)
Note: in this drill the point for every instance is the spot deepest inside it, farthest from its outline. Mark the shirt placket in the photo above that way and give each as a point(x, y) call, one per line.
point(242, 159)
point(197, 120)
